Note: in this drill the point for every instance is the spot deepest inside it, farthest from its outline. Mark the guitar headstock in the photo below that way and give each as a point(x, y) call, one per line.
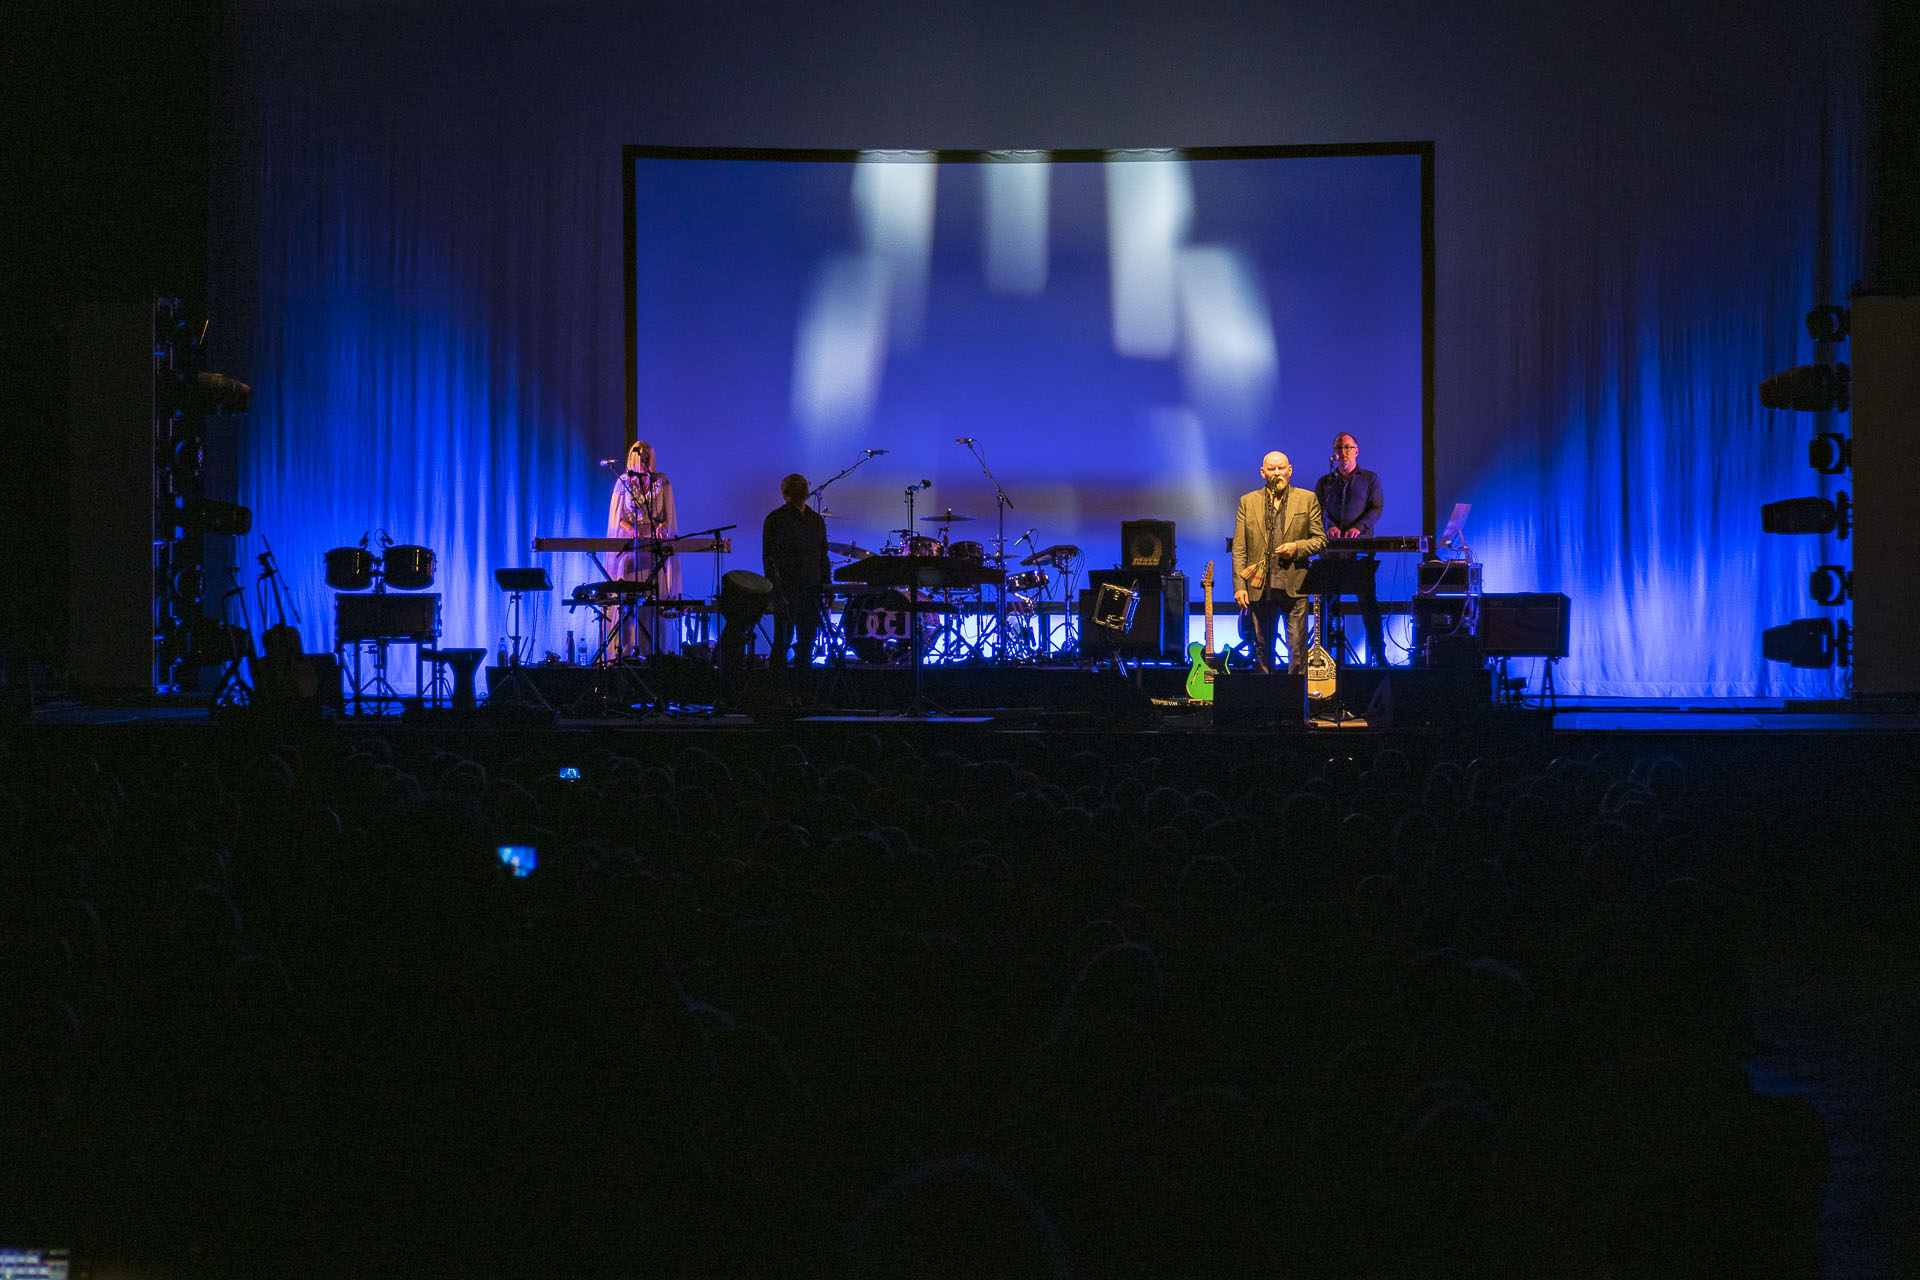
point(1206, 579)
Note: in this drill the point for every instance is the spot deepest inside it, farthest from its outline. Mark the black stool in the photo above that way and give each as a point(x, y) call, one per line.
point(465, 662)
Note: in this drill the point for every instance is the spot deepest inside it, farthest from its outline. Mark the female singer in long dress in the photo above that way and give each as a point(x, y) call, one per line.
point(642, 506)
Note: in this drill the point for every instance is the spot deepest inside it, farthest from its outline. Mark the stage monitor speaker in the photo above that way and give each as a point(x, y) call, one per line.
point(1159, 627)
point(1524, 625)
point(1147, 544)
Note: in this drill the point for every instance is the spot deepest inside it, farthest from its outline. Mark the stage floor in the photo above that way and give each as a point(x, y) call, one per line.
point(1146, 699)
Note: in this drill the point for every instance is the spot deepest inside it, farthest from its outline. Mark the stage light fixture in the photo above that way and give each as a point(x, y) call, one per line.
point(1813, 644)
point(1829, 324)
point(209, 515)
point(1810, 388)
point(1829, 453)
point(1830, 584)
point(1808, 515)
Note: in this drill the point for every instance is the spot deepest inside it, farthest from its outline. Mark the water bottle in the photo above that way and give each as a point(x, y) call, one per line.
point(502, 658)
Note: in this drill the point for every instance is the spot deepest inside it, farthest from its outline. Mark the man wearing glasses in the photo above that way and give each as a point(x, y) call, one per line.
point(1350, 502)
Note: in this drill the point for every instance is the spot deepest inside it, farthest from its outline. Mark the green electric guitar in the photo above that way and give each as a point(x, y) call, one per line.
point(1207, 665)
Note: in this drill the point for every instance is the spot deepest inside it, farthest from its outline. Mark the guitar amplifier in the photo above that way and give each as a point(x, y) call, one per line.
point(1159, 626)
point(1147, 544)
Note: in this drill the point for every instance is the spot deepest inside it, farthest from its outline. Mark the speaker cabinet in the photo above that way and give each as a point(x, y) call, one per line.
point(1524, 625)
point(1159, 629)
point(1147, 544)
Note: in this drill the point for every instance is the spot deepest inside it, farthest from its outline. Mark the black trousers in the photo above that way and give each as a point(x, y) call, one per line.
point(796, 631)
point(1266, 627)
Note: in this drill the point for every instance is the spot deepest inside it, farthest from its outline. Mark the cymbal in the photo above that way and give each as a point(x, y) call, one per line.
point(949, 516)
point(1058, 551)
point(853, 549)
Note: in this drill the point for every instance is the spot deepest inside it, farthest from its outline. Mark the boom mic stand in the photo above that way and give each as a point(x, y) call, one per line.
point(1005, 505)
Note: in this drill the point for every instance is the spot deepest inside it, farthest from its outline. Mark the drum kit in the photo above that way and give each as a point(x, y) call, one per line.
point(881, 626)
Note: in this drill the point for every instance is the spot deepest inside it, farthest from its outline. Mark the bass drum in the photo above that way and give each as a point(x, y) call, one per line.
point(968, 553)
point(349, 568)
point(409, 568)
point(877, 627)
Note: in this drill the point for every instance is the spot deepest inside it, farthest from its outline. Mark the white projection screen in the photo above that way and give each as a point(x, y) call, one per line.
point(1122, 334)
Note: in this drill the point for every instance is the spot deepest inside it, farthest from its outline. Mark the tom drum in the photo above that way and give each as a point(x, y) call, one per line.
point(409, 568)
point(349, 568)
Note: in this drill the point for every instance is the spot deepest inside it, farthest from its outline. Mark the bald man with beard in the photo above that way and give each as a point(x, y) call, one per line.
point(1275, 531)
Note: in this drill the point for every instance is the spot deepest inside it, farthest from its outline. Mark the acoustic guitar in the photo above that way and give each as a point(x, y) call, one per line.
point(286, 675)
point(1322, 675)
point(1207, 665)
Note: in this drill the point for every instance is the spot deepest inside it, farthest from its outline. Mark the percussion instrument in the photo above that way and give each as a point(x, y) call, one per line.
point(349, 568)
point(968, 552)
point(409, 568)
point(878, 625)
point(743, 596)
point(909, 543)
point(1032, 580)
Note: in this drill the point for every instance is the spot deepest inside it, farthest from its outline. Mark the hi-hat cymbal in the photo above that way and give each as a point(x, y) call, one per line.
point(949, 516)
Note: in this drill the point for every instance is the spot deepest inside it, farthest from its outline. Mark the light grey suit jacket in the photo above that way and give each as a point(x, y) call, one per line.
point(1299, 522)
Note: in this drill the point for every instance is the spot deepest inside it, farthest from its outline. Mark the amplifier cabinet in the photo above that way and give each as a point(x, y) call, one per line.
point(1524, 625)
point(1159, 629)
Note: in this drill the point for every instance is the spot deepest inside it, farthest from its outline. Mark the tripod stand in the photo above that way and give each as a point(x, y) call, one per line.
point(517, 689)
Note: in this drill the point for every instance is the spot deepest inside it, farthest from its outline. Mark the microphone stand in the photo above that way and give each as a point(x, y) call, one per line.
point(820, 490)
point(1005, 505)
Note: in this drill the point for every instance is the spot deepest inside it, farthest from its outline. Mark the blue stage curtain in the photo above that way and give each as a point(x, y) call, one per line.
point(418, 244)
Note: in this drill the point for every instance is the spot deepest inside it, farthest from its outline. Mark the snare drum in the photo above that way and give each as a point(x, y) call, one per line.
point(1031, 580)
point(967, 553)
point(409, 568)
point(918, 545)
point(349, 568)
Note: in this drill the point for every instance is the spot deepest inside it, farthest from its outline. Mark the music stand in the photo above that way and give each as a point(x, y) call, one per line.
point(518, 689)
point(1333, 575)
point(1329, 577)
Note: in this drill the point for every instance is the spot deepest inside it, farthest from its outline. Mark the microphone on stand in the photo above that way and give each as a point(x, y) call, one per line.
point(963, 440)
point(615, 464)
point(874, 453)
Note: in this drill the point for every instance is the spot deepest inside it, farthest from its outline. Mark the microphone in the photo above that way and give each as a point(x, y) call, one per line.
point(924, 484)
point(1026, 537)
point(963, 440)
point(874, 453)
point(615, 464)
